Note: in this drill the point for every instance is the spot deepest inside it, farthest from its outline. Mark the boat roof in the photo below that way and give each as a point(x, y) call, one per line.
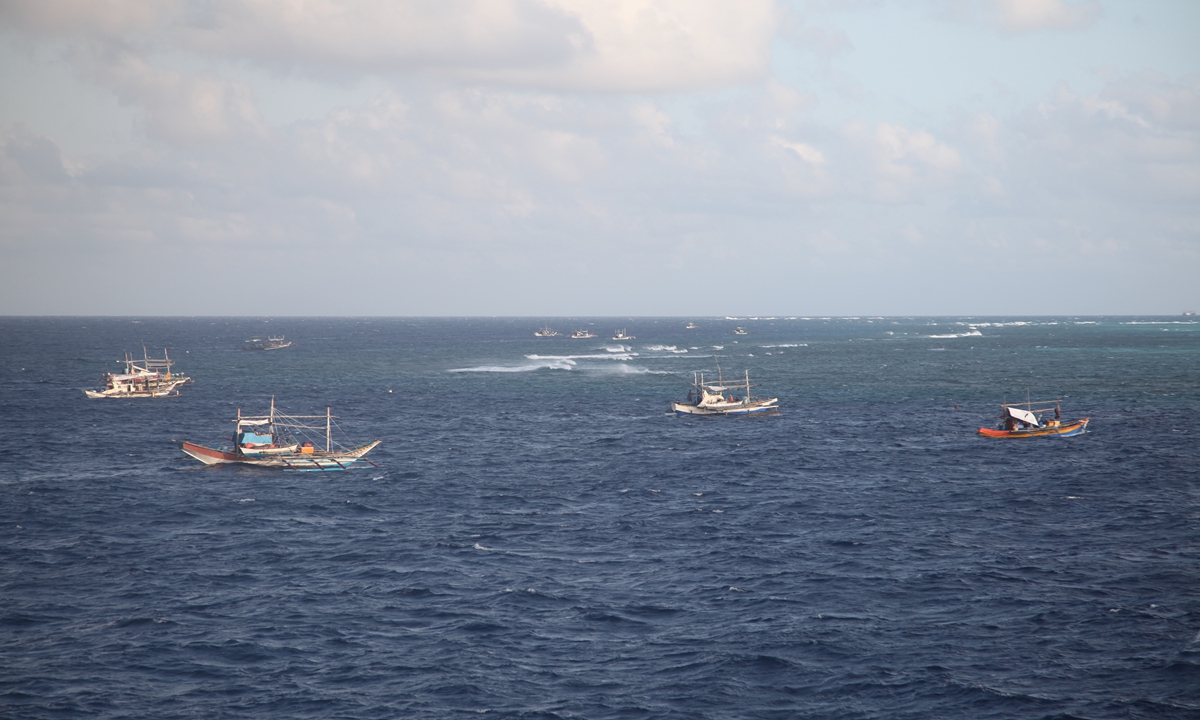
point(1023, 415)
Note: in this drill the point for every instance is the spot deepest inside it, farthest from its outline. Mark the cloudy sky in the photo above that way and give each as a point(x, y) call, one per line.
point(599, 157)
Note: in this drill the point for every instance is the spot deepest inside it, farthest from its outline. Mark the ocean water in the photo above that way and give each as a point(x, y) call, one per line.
point(541, 539)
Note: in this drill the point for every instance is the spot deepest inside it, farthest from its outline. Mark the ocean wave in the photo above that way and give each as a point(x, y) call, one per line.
point(972, 333)
point(785, 345)
point(549, 364)
point(618, 349)
point(664, 348)
point(625, 369)
point(609, 356)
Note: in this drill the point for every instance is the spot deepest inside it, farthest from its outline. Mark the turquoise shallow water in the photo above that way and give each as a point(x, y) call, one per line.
point(542, 539)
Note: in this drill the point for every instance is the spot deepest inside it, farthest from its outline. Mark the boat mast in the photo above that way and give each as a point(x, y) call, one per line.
point(327, 431)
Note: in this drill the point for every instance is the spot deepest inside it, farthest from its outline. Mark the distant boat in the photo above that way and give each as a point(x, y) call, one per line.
point(546, 332)
point(705, 399)
point(1026, 422)
point(271, 343)
point(268, 441)
point(582, 335)
point(740, 331)
point(145, 378)
point(690, 326)
point(620, 335)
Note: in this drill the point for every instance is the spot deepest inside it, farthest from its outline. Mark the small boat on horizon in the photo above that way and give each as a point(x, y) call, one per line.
point(271, 343)
point(545, 332)
point(145, 378)
point(620, 335)
point(582, 335)
point(705, 399)
point(740, 331)
point(270, 441)
point(1026, 422)
point(690, 326)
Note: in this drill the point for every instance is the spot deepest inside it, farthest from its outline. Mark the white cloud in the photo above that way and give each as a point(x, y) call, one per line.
point(1018, 16)
point(1027, 15)
point(179, 107)
point(95, 18)
point(807, 153)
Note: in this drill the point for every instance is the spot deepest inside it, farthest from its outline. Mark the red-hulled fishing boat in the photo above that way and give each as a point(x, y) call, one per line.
point(1028, 420)
point(270, 441)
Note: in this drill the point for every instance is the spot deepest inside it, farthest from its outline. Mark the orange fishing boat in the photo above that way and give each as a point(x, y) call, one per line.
point(1027, 420)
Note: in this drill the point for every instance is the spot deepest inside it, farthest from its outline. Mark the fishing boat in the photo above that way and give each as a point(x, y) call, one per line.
point(740, 331)
point(271, 343)
point(546, 332)
point(1027, 420)
point(582, 335)
point(705, 399)
point(271, 441)
point(690, 326)
point(145, 378)
point(620, 335)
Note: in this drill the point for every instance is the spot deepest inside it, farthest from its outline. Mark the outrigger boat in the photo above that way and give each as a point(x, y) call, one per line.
point(706, 399)
point(271, 343)
point(145, 378)
point(268, 441)
point(1025, 420)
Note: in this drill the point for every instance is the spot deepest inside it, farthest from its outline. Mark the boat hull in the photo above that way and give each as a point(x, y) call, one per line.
point(317, 461)
point(758, 407)
point(1070, 429)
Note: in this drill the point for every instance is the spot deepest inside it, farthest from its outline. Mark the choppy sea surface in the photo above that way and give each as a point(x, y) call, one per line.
point(541, 539)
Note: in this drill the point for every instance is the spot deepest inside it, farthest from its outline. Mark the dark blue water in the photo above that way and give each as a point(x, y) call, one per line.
point(542, 540)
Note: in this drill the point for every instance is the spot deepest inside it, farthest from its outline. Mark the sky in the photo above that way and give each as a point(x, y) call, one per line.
point(599, 157)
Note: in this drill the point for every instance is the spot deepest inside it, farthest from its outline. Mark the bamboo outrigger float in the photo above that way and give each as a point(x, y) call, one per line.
point(258, 441)
point(1025, 420)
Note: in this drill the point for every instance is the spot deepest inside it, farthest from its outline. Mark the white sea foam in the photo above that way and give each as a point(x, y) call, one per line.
point(477, 546)
point(718, 347)
point(609, 356)
point(624, 369)
point(618, 349)
point(973, 333)
point(664, 348)
point(546, 364)
point(785, 345)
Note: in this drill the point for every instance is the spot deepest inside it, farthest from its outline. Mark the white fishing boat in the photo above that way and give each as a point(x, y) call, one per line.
point(582, 335)
point(271, 441)
point(546, 332)
point(705, 399)
point(740, 331)
point(690, 326)
point(271, 343)
point(145, 378)
point(620, 335)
